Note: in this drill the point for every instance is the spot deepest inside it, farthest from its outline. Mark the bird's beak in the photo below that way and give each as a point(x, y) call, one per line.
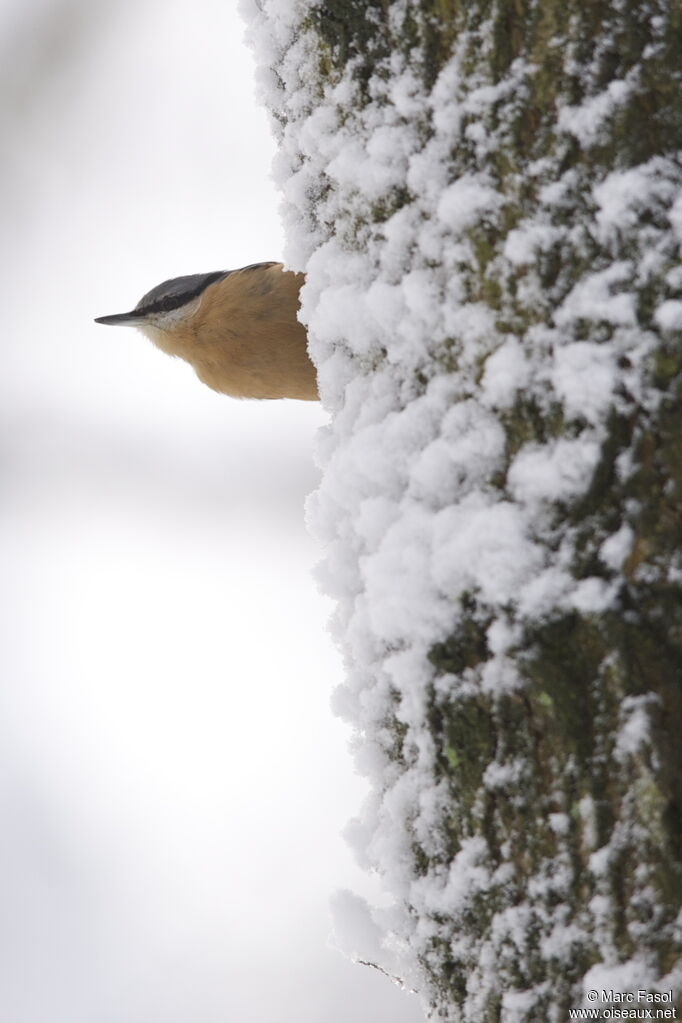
point(130, 318)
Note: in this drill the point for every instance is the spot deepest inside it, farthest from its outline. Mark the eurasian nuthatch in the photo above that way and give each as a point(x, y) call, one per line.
point(237, 328)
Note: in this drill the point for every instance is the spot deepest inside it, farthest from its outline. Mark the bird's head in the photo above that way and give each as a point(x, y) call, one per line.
point(166, 306)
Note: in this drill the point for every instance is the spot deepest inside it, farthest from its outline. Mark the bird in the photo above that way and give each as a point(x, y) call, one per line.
point(238, 329)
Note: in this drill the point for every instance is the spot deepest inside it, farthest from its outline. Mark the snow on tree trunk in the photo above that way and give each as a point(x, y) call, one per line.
point(486, 199)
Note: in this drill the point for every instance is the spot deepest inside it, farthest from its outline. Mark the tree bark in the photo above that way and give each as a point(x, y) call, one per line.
point(486, 199)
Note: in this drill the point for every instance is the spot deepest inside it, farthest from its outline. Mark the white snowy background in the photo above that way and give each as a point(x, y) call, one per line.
point(172, 781)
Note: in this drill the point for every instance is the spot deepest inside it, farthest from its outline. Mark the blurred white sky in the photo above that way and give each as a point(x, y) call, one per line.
point(172, 781)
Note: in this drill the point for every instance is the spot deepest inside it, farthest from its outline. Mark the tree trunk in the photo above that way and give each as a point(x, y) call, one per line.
point(486, 199)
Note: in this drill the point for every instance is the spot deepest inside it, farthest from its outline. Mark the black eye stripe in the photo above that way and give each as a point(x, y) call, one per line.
point(166, 305)
point(178, 291)
point(173, 294)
